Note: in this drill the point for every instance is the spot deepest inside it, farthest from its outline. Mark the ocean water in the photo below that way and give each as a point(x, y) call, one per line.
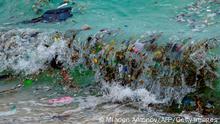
point(132, 17)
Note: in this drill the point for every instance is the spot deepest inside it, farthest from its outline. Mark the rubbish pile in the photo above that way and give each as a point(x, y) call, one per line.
point(138, 62)
point(170, 70)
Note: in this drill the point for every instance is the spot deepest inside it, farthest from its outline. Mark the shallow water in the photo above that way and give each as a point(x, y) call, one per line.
point(134, 18)
point(31, 106)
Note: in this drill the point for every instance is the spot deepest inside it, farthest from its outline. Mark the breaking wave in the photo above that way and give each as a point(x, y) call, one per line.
point(28, 51)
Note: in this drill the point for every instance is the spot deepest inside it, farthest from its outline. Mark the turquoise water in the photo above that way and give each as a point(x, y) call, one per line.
point(134, 17)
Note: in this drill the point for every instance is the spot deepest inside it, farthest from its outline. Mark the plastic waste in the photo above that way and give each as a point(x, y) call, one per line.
point(138, 47)
point(3, 77)
point(120, 68)
point(208, 108)
point(198, 57)
point(60, 117)
point(63, 5)
point(66, 3)
point(28, 83)
point(121, 64)
point(57, 37)
point(176, 48)
point(209, 104)
point(158, 54)
point(54, 15)
point(95, 61)
point(61, 100)
point(157, 65)
point(188, 102)
point(125, 69)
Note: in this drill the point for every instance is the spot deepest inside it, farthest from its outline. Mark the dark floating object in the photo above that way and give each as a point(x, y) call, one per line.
point(3, 77)
point(54, 15)
point(56, 64)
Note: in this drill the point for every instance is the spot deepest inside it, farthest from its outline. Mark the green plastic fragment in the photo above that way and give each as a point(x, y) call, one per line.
point(157, 65)
point(28, 83)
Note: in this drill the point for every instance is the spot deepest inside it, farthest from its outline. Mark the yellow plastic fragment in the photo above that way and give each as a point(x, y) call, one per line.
point(95, 60)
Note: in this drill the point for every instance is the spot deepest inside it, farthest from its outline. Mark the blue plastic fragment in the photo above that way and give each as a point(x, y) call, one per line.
point(54, 15)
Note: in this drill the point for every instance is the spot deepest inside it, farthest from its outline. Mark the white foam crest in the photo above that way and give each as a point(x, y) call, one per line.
point(118, 93)
point(22, 52)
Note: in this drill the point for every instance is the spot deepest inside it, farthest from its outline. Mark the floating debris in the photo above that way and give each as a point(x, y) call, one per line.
point(169, 71)
point(54, 15)
point(61, 101)
point(200, 14)
point(28, 83)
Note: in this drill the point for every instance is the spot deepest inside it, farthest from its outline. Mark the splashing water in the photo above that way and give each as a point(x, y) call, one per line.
point(27, 50)
point(118, 93)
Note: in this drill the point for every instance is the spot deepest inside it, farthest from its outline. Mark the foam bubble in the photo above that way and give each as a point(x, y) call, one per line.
point(118, 93)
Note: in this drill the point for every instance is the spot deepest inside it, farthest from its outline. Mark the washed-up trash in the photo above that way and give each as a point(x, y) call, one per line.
point(60, 117)
point(208, 108)
point(125, 69)
point(28, 83)
point(188, 103)
point(138, 63)
point(119, 63)
point(54, 15)
point(8, 113)
point(63, 5)
point(157, 65)
point(57, 36)
point(176, 47)
point(209, 104)
point(158, 55)
point(62, 100)
point(95, 60)
point(63, 116)
point(198, 57)
point(66, 2)
point(138, 47)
